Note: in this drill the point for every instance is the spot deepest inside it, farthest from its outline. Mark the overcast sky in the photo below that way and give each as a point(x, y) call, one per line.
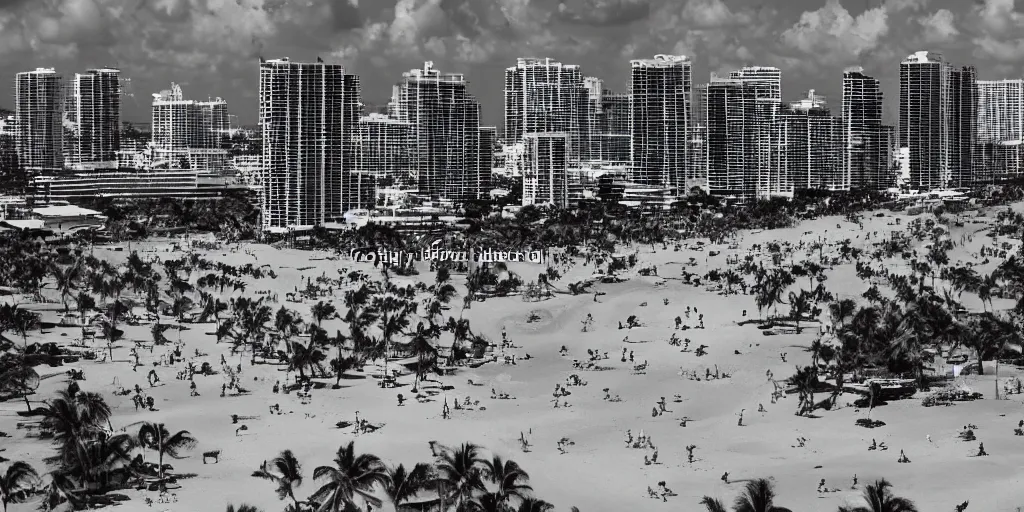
point(211, 47)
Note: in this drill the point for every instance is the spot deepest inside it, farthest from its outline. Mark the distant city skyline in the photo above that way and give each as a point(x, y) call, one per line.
point(212, 52)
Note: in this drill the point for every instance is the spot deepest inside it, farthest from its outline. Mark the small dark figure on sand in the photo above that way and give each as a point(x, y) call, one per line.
point(725, 477)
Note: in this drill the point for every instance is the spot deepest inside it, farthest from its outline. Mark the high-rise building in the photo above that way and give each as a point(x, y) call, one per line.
point(1000, 110)
point(445, 121)
point(732, 140)
point(766, 81)
point(660, 89)
point(174, 127)
point(963, 130)
point(92, 113)
point(384, 148)
point(38, 108)
point(187, 133)
point(546, 168)
point(925, 118)
point(485, 161)
point(865, 145)
point(309, 116)
point(544, 95)
point(804, 154)
point(614, 129)
point(767, 84)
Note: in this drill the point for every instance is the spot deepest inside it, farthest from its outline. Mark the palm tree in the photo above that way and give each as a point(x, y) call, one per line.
point(74, 419)
point(879, 498)
point(306, 356)
point(799, 305)
point(352, 476)
point(459, 471)
point(841, 311)
point(404, 484)
point(804, 380)
point(287, 323)
point(22, 320)
point(394, 320)
point(712, 504)
point(242, 508)
point(284, 471)
point(985, 288)
point(509, 477)
point(537, 505)
point(487, 502)
point(66, 279)
point(322, 311)
point(20, 476)
point(757, 496)
point(155, 436)
point(426, 352)
point(18, 378)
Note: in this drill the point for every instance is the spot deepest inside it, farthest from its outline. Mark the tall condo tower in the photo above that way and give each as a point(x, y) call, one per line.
point(766, 82)
point(93, 115)
point(865, 148)
point(545, 173)
point(544, 95)
point(38, 106)
point(925, 118)
point(1000, 129)
point(732, 139)
point(660, 121)
point(805, 157)
point(186, 133)
point(963, 132)
point(1000, 110)
point(445, 130)
point(309, 114)
point(384, 147)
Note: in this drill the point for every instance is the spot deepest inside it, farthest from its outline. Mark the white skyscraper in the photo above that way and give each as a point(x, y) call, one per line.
point(1000, 110)
point(545, 170)
point(93, 119)
point(544, 95)
point(660, 121)
point(38, 106)
point(309, 114)
point(766, 83)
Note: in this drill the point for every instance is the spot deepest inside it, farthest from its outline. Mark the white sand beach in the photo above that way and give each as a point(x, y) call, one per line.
point(594, 471)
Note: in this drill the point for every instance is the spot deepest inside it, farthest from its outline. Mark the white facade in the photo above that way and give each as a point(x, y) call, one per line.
point(545, 176)
point(38, 106)
point(1000, 110)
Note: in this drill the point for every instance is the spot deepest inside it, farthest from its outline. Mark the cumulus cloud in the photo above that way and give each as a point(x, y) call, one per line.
point(939, 27)
point(999, 31)
point(604, 12)
point(832, 34)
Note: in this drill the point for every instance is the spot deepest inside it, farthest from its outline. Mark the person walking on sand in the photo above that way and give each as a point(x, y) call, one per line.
point(740, 422)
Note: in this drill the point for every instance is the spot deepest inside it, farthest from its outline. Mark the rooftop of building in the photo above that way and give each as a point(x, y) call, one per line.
point(68, 210)
point(660, 60)
point(924, 57)
point(540, 61)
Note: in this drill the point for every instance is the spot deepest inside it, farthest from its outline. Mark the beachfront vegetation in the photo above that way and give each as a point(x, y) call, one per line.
point(893, 329)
